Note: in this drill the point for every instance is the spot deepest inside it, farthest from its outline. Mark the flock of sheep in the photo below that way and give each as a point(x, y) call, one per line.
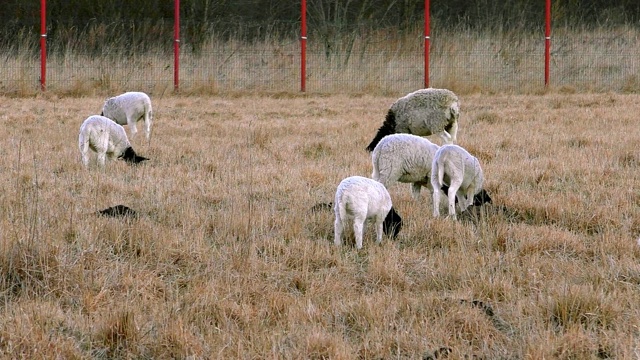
point(399, 153)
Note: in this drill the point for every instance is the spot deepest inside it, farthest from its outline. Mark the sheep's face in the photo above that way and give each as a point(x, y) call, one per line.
point(131, 157)
point(481, 198)
point(392, 224)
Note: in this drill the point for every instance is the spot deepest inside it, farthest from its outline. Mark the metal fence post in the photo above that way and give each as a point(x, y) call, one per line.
point(427, 41)
point(43, 44)
point(176, 45)
point(303, 46)
point(547, 41)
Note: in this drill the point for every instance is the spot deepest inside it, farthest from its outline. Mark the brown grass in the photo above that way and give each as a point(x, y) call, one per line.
point(226, 261)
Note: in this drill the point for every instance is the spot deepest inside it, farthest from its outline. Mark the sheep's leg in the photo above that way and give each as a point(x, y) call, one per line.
point(337, 232)
point(358, 229)
point(415, 190)
point(435, 193)
point(147, 125)
point(454, 132)
point(379, 230)
point(101, 158)
point(85, 158)
point(436, 202)
point(442, 200)
point(468, 199)
point(132, 126)
point(462, 201)
point(453, 189)
point(446, 137)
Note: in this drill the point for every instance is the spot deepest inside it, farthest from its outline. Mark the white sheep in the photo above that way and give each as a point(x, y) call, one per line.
point(454, 167)
point(359, 199)
point(423, 112)
point(107, 139)
point(404, 158)
point(128, 109)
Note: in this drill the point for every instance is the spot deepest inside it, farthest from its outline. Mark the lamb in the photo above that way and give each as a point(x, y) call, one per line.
point(128, 109)
point(359, 199)
point(106, 138)
point(404, 158)
point(423, 112)
point(454, 166)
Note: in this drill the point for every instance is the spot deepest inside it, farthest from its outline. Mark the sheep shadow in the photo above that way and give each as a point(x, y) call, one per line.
point(118, 211)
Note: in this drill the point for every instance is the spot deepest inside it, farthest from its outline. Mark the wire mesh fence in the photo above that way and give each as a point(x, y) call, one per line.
point(387, 61)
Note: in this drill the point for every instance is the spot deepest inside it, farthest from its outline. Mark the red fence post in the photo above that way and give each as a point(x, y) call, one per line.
point(303, 46)
point(547, 41)
point(43, 44)
point(426, 42)
point(176, 45)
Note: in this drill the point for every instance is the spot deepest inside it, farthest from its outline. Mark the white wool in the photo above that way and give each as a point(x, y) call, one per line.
point(128, 109)
point(359, 199)
point(104, 137)
point(454, 166)
point(404, 158)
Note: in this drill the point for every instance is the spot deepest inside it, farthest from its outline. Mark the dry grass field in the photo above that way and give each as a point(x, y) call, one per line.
point(226, 261)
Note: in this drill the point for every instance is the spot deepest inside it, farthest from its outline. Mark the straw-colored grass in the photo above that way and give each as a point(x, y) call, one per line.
point(226, 261)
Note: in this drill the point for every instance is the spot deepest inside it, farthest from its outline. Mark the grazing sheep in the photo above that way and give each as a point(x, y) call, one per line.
point(455, 167)
point(106, 138)
point(404, 158)
point(424, 112)
point(359, 199)
point(128, 109)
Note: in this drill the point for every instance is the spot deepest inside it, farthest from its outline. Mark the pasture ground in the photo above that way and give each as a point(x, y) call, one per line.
point(225, 260)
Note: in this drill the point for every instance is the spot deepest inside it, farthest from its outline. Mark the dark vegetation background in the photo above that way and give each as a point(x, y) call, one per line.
point(144, 24)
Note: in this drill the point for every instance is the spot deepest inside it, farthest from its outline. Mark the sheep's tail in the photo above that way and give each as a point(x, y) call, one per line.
point(387, 128)
point(375, 174)
point(83, 142)
point(340, 208)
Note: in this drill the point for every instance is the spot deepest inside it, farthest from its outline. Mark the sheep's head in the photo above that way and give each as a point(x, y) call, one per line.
point(481, 198)
point(131, 157)
point(392, 223)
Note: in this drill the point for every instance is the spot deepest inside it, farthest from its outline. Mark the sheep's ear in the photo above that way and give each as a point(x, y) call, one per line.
point(139, 159)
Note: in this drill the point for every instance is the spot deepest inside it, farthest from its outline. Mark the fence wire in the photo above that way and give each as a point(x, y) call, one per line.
point(364, 61)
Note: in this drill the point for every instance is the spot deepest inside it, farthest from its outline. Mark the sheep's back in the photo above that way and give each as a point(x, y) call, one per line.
point(360, 195)
point(411, 153)
point(426, 111)
point(134, 104)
